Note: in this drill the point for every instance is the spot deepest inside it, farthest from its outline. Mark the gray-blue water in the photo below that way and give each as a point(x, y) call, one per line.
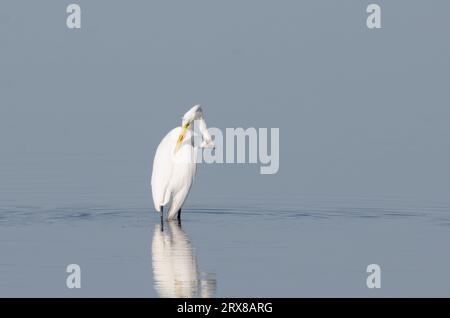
point(364, 154)
point(279, 246)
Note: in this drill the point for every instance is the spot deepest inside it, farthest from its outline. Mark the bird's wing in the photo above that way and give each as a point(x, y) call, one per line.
point(183, 173)
point(163, 168)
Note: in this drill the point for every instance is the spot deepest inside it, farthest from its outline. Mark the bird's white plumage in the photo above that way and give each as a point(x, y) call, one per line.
point(174, 167)
point(173, 172)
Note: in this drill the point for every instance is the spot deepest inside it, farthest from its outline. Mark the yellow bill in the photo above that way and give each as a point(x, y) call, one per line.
point(181, 137)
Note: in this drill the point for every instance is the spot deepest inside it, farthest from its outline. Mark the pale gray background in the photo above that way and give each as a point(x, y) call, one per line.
point(362, 113)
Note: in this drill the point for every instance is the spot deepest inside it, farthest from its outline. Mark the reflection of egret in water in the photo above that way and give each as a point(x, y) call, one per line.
point(175, 269)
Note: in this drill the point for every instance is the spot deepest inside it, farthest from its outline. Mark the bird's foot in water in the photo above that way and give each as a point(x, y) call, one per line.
point(162, 220)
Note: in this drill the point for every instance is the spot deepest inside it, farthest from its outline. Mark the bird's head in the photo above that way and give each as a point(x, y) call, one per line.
point(195, 114)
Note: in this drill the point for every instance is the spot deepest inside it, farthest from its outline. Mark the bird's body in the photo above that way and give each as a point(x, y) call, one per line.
point(174, 165)
point(173, 172)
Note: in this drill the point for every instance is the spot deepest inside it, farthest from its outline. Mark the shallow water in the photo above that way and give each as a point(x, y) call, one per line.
point(302, 247)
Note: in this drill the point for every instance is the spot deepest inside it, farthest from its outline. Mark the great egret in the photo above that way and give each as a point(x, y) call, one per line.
point(174, 165)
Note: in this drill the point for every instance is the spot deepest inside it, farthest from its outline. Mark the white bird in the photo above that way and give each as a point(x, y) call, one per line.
point(174, 164)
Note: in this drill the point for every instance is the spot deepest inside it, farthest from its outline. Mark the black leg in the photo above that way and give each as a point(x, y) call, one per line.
point(179, 218)
point(162, 220)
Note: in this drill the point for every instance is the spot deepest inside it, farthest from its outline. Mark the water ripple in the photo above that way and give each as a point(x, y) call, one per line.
point(26, 215)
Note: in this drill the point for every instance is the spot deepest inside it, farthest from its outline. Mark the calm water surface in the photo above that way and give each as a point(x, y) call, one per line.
point(299, 247)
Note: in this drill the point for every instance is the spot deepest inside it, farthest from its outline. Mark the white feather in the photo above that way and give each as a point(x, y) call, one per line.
point(173, 172)
point(174, 169)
